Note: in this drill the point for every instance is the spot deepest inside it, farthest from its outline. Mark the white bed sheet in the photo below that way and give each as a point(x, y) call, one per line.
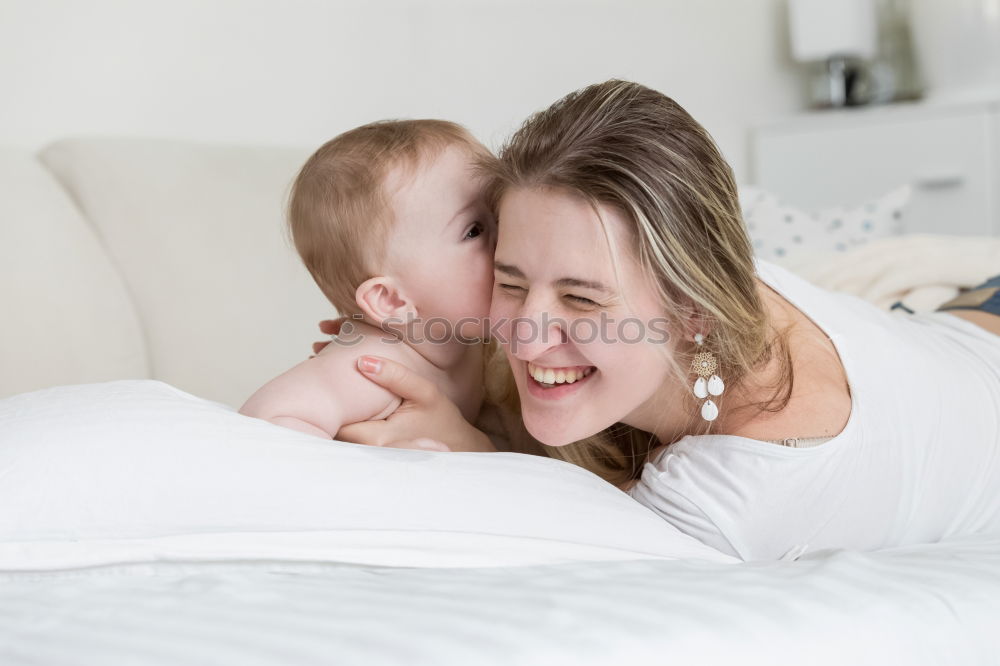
point(933, 604)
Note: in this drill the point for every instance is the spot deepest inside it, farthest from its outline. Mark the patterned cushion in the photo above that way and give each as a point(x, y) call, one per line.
point(779, 230)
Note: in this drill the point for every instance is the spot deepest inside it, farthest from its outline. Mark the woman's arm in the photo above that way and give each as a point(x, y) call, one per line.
point(425, 413)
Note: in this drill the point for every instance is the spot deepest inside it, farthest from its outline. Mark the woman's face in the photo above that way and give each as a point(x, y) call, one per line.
point(583, 357)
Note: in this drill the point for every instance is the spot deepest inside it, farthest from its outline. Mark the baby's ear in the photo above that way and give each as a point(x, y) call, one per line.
point(381, 300)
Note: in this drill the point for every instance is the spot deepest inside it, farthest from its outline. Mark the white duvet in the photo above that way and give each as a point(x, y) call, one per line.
point(143, 526)
point(937, 604)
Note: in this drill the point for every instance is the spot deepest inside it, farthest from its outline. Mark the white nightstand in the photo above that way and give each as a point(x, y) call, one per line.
point(949, 152)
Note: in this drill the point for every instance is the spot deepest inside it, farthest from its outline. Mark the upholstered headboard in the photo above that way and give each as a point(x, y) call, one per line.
point(137, 258)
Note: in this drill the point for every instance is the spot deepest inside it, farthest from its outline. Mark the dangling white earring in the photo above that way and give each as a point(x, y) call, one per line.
point(704, 365)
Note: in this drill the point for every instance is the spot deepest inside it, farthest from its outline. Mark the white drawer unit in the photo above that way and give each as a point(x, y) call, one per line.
point(950, 153)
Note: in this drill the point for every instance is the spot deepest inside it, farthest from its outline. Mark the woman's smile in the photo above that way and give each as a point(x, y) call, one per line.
point(549, 383)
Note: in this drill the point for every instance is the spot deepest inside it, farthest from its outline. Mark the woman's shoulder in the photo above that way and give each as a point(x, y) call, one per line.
point(836, 309)
point(819, 399)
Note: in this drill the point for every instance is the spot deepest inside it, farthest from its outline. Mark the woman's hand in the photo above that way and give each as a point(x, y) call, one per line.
point(329, 327)
point(426, 415)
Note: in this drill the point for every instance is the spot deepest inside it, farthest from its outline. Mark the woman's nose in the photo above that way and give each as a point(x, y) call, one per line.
point(534, 331)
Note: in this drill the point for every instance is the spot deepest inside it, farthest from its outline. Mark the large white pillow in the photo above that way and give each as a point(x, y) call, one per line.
point(139, 471)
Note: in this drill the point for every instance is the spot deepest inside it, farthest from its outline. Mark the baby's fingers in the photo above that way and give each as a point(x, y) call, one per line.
point(420, 443)
point(378, 433)
point(331, 326)
point(371, 433)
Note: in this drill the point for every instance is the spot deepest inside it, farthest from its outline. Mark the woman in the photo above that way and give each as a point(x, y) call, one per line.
point(773, 416)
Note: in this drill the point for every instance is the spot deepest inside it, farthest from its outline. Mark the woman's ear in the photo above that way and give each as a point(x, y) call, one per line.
point(697, 322)
point(382, 301)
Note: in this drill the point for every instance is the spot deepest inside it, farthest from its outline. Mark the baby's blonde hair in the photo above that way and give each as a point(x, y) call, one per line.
point(338, 213)
point(623, 145)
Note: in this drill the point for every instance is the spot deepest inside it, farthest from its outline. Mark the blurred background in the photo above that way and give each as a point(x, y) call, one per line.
point(300, 71)
point(160, 137)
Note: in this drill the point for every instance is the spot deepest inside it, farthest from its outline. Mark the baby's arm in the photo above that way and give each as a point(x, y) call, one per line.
point(325, 392)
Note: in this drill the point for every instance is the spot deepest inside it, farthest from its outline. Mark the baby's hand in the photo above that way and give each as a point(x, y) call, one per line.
point(330, 327)
point(421, 443)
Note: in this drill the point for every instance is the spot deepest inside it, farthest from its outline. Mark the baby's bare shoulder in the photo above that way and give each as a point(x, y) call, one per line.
point(336, 368)
point(367, 340)
point(327, 390)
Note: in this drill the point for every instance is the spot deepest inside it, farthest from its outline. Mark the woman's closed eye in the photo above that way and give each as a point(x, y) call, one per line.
point(515, 289)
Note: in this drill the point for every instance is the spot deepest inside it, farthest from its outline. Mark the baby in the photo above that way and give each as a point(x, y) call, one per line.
point(391, 222)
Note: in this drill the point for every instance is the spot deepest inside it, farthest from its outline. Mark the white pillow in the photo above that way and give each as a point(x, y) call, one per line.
point(139, 471)
point(779, 231)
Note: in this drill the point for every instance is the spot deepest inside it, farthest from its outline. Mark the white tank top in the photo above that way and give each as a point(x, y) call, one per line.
point(918, 461)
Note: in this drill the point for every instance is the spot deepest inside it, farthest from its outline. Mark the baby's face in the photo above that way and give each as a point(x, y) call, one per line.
point(441, 247)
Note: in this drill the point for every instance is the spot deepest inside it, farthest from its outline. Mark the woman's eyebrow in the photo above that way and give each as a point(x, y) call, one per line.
point(514, 271)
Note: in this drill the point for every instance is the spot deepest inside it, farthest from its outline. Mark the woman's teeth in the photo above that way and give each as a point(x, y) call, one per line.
point(558, 375)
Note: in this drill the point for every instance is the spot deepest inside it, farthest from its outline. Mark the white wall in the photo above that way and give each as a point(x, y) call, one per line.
point(300, 71)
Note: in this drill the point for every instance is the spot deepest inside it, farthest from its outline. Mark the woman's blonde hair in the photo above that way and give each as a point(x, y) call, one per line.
point(624, 145)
